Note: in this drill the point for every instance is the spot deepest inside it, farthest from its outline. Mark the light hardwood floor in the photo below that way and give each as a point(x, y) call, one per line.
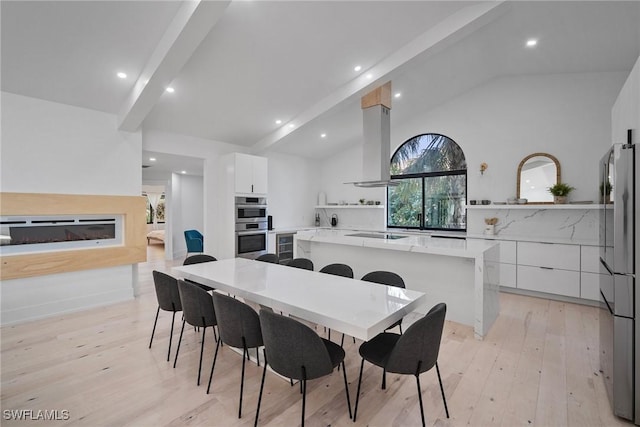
point(538, 366)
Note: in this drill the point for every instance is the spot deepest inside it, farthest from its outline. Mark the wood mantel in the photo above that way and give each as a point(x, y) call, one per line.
point(132, 251)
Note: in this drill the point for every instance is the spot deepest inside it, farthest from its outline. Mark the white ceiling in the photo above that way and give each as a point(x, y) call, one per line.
point(293, 60)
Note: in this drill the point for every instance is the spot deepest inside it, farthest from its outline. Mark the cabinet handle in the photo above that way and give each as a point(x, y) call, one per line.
point(252, 188)
point(546, 268)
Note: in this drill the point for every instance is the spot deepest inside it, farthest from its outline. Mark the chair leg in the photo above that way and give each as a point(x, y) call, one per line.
point(173, 319)
point(304, 392)
point(355, 411)
point(264, 373)
point(244, 344)
point(204, 330)
point(154, 326)
point(420, 400)
point(400, 325)
point(444, 399)
point(257, 356)
point(342, 341)
point(384, 379)
point(346, 388)
point(213, 365)
point(179, 342)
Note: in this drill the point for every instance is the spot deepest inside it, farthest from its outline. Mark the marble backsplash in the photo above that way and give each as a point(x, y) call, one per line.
point(360, 218)
point(572, 225)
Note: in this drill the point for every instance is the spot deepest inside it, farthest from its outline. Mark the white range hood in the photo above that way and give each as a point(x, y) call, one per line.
point(376, 130)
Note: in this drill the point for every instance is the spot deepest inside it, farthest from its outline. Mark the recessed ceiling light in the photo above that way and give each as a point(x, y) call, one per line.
point(291, 125)
point(152, 159)
point(357, 68)
point(397, 95)
point(278, 121)
point(122, 75)
point(323, 135)
point(369, 75)
point(532, 42)
point(183, 172)
point(170, 90)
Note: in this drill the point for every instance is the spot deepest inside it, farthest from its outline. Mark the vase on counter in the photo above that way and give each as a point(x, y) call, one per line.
point(490, 229)
point(559, 200)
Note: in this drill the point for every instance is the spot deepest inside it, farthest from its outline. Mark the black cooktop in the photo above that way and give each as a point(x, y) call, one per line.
point(378, 235)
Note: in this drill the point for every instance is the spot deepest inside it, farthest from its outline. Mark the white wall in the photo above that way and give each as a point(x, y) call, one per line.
point(500, 123)
point(187, 210)
point(55, 148)
point(293, 190)
point(503, 121)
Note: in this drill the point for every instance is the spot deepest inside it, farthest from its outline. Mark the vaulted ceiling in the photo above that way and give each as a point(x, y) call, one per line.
point(237, 67)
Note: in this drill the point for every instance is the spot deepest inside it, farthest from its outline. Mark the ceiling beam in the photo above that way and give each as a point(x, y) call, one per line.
point(449, 30)
point(192, 23)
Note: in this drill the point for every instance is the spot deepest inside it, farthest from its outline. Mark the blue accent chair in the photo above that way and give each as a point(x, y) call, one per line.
point(195, 241)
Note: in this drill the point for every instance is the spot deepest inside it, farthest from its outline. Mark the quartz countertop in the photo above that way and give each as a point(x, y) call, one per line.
point(426, 243)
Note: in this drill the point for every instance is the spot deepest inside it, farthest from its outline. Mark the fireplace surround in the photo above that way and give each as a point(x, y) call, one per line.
point(83, 247)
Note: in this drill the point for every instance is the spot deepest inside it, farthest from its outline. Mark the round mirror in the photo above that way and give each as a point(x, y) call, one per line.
point(536, 173)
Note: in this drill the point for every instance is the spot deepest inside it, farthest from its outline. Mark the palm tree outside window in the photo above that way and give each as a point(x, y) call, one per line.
point(432, 192)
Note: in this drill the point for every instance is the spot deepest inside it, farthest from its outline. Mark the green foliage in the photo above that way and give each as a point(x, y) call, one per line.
point(605, 188)
point(561, 189)
point(427, 156)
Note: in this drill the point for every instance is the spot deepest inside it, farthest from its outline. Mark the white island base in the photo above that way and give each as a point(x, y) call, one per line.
point(463, 274)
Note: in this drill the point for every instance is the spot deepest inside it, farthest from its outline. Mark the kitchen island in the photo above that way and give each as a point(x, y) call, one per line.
point(462, 273)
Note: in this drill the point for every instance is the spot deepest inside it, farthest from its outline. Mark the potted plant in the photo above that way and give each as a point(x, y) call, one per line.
point(605, 192)
point(560, 192)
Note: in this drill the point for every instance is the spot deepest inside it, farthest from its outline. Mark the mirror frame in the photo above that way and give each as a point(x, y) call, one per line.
point(558, 174)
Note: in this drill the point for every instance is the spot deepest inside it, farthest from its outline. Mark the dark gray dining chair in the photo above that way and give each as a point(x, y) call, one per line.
point(295, 351)
point(199, 259)
point(338, 269)
point(197, 307)
point(168, 300)
point(343, 270)
point(412, 353)
point(272, 258)
point(386, 278)
point(303, 263)
point(239, 327)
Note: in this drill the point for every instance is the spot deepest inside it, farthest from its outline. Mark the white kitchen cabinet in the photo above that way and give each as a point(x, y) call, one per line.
point(551, 255)
point(590, 286)
point(250, 174)
point(590, 259)
point(549, 280)
point(508, 275)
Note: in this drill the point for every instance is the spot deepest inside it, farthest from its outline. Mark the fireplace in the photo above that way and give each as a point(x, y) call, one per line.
point(51, 233)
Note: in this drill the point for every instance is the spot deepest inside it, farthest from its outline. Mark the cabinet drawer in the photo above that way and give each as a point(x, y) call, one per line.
point(508, 275)
point(551, 255)
point(590, 259)
point(553, 281)
point(507, 252)
point(590, 286)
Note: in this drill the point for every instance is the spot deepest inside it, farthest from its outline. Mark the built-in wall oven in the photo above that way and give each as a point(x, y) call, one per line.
point(251, 226)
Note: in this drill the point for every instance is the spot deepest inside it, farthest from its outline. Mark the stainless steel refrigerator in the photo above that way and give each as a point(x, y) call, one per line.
point(620, 301)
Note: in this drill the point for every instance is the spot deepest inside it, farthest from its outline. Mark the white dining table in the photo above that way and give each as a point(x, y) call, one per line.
point(354, 307)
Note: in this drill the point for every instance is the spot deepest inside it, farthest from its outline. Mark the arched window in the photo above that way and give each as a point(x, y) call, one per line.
point(432, 192)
